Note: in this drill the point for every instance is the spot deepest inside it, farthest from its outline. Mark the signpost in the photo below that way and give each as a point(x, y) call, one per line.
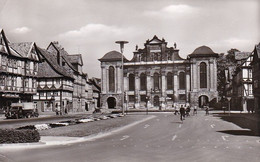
point(229, 98)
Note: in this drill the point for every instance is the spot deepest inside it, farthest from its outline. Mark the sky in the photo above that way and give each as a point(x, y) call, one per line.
point(91, 27)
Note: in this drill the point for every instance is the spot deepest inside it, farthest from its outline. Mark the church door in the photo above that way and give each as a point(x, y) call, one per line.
point(111, 102)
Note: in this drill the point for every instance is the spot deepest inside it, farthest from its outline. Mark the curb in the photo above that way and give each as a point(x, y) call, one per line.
point(69, 140)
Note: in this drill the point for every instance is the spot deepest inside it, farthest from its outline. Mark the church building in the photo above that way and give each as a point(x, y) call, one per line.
point(157, 77)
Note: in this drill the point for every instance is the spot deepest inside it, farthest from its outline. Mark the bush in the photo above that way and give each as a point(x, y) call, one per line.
point(19, 136)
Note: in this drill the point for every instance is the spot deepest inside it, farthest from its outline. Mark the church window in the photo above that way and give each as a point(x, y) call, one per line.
point(182, 97)
point(169, 56)
point(155, 57)
point(131, 82)
point(156, 81)
point(142, 57)
point(169, 81)
point(182, 80)
point(143, 98)
point(131, 98)
point(203, 75)
point(111, 79)
point(143, 81)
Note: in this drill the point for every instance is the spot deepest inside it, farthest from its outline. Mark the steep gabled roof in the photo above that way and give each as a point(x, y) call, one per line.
point(4, 47)
point(76, 59)
point(50, 67)
point(64, 54)
point(22, 48)
point(256, 54)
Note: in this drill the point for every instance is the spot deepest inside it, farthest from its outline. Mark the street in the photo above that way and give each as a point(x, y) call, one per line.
point(162, 138)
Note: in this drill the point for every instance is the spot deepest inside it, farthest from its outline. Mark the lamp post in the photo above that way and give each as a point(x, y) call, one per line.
point(122, 43)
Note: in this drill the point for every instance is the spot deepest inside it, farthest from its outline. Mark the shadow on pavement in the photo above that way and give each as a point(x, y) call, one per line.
point(239, 132)
point(242, 121)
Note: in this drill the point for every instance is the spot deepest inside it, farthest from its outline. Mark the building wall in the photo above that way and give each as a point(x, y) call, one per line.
point(256, 83)
point(17, 79)
point(54, 94)
point(211, 90)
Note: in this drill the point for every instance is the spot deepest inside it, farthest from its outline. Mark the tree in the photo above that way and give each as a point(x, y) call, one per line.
point(225, 62)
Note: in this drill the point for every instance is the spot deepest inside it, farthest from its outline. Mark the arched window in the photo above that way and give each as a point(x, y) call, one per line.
point(182, 80)
point(143, 81)
point(131, 82)
point(111, 75)
point(203, 75)
point(156, 81)
point(169, 81)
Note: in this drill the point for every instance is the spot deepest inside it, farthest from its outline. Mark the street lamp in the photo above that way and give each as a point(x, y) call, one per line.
point(122, 43)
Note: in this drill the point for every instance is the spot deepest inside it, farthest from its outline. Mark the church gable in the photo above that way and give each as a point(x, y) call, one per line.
point(156, 50)
point(155, 40)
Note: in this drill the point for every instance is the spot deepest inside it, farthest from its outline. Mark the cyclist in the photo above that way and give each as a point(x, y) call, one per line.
point(182, 113)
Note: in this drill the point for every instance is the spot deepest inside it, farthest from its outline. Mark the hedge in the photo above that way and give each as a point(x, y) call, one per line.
point(19, 136)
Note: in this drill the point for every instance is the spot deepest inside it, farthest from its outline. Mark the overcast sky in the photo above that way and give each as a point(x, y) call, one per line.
point(91, 27)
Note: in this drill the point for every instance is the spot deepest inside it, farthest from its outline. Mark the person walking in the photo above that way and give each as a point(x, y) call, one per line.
point(182, 113)
point(195, 110)
point(207, 110)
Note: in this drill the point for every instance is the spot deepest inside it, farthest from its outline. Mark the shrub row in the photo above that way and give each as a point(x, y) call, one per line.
point(19, 136)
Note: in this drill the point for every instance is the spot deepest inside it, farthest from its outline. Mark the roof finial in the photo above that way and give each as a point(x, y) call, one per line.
point(136, 47)
point(175, 45)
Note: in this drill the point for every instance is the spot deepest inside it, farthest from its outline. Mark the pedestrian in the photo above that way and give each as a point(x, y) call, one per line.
point(188, 111)
point(195, 110)
point(207, 110)
point(182, 112)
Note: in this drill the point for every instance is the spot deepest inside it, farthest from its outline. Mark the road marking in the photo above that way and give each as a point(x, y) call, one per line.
point(124, 137)
point(206, 119)
point(180, 126)
point(146, 125)
point(174, 137)
point(224, 138)
point(212, 125)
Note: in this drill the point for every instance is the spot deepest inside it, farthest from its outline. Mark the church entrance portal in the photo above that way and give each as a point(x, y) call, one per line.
point(203, 101)
point(156, 102)
point(111, 102)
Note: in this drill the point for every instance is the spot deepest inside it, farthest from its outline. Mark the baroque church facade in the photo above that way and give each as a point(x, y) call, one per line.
point(157, 77)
